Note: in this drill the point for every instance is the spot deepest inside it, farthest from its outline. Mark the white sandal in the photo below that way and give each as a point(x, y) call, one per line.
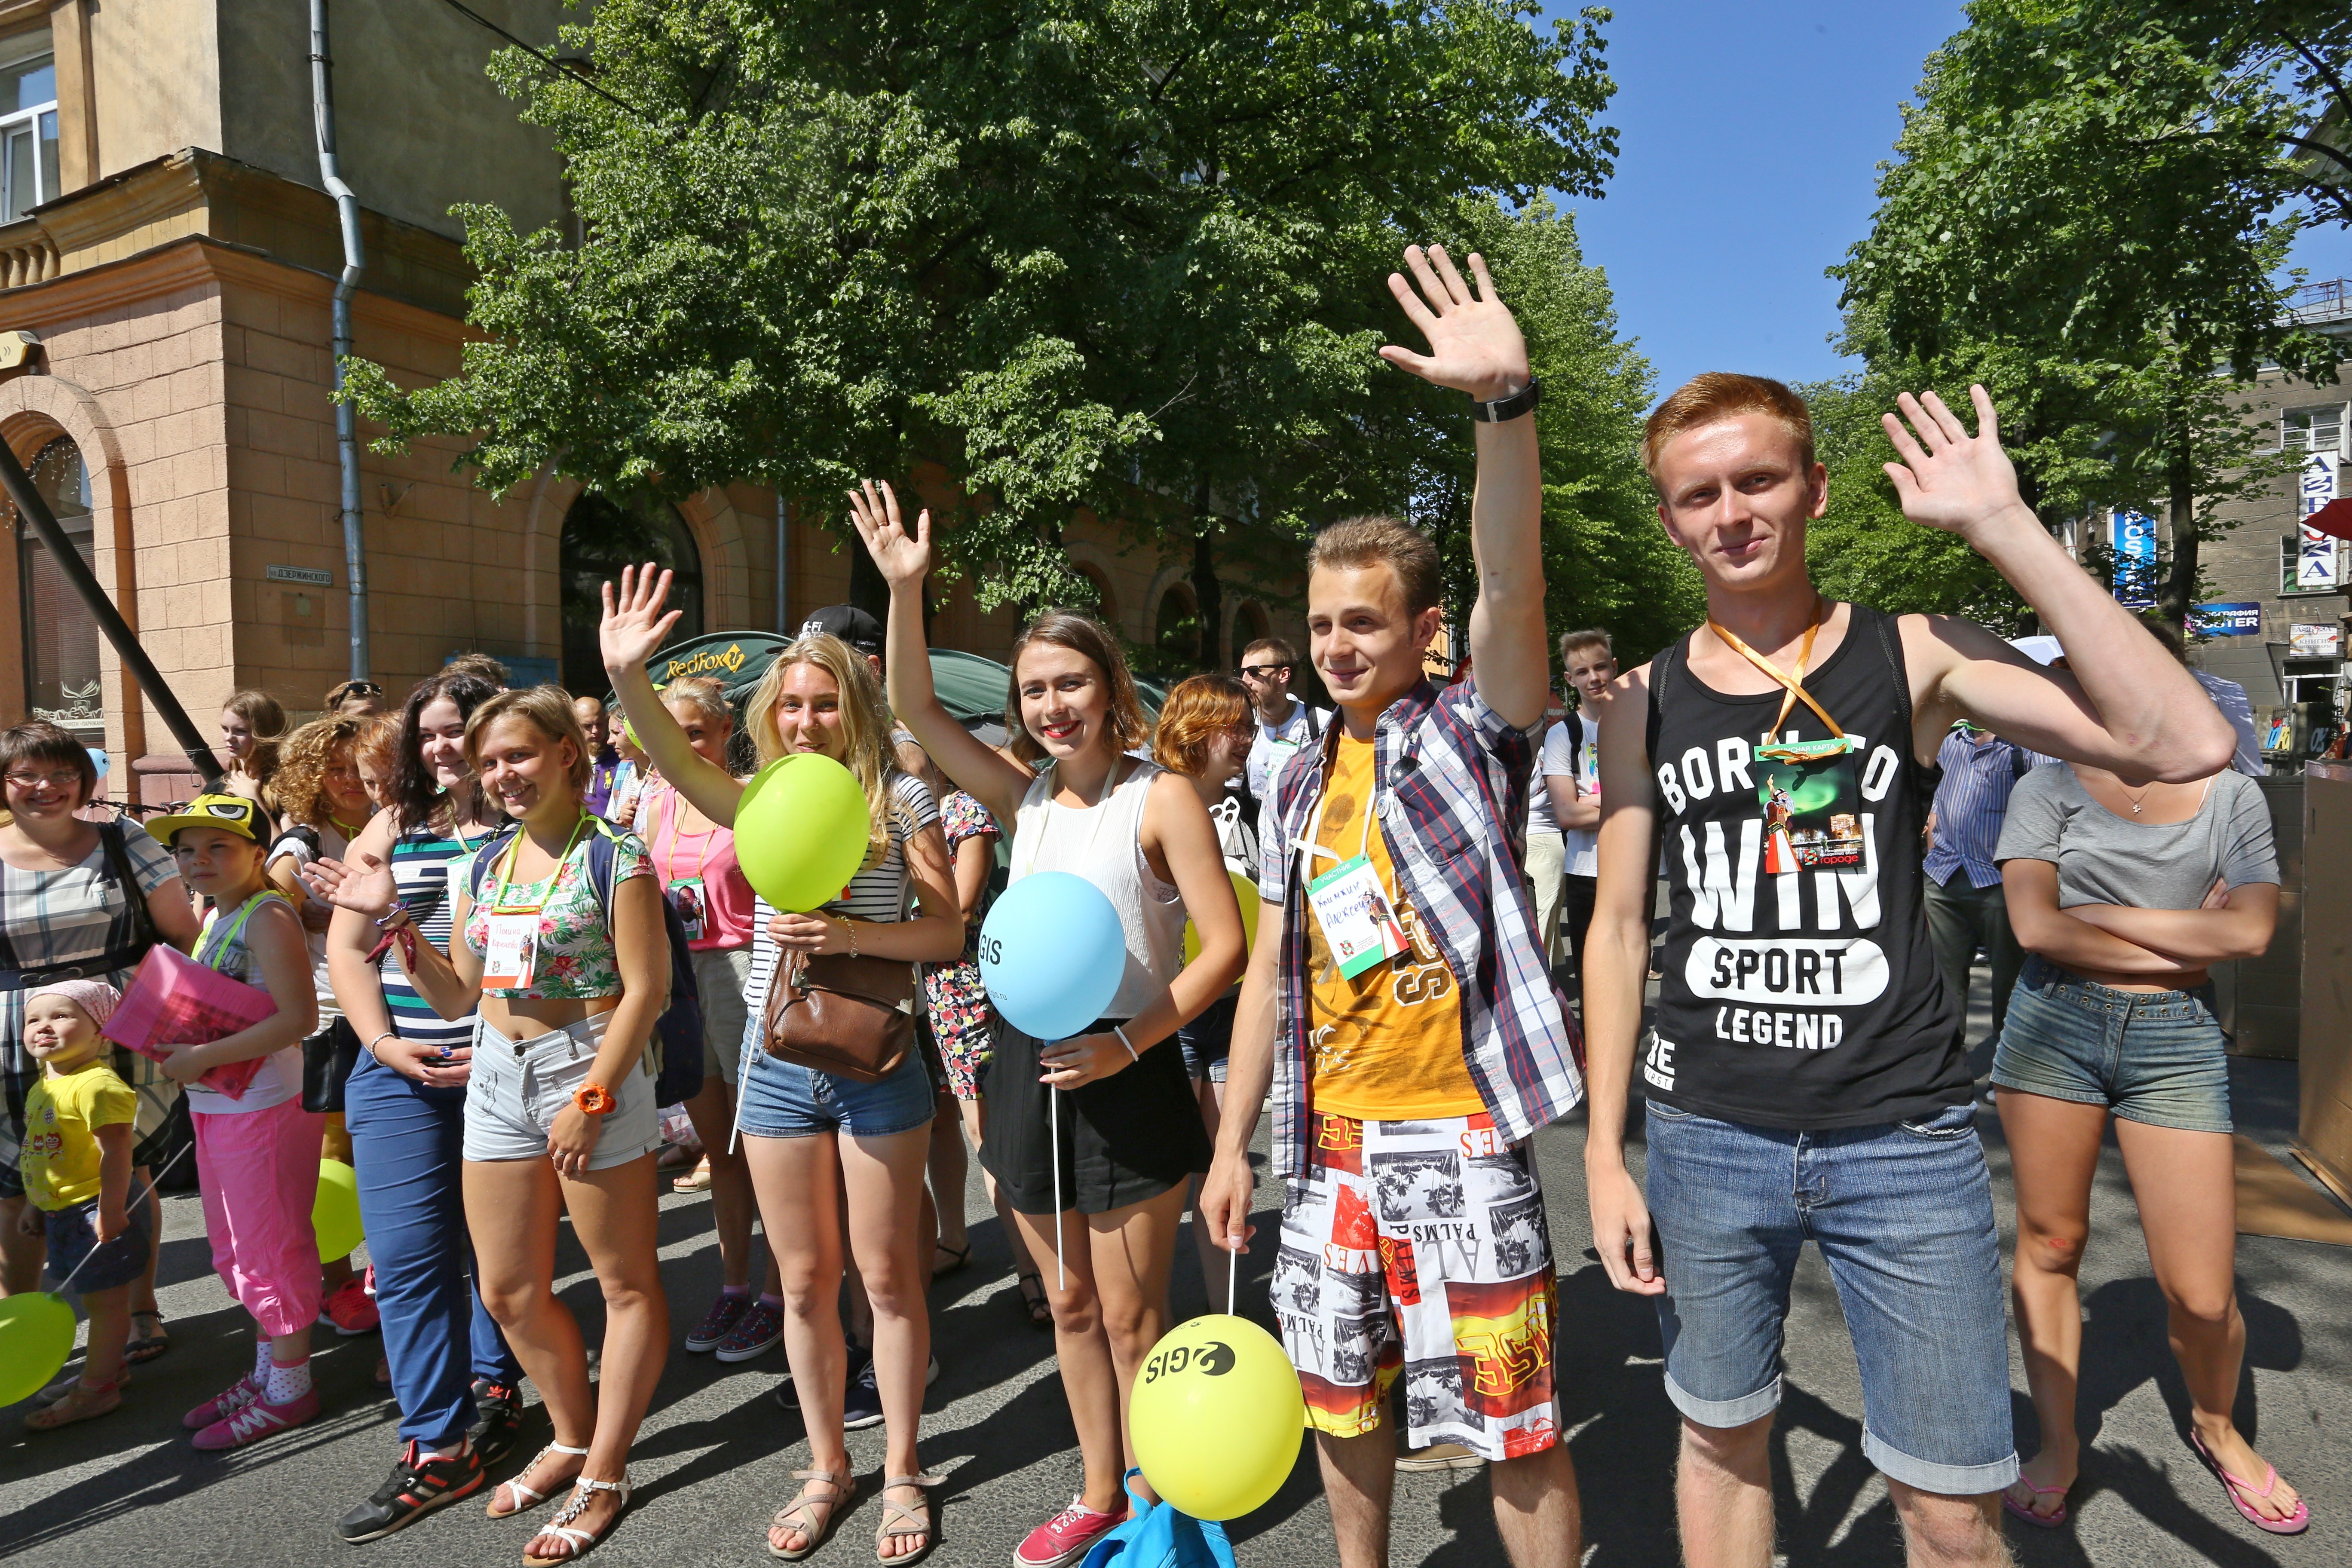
point(530, 1496)
point(579, 1542)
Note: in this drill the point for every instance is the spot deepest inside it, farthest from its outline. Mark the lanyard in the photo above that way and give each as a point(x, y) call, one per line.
point(1794, 683)
point(1323, 798)
point(669, 802)
point(506, 869)
point(228, 939)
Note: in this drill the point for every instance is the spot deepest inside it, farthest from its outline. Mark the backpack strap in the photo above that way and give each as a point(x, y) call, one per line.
point(485, 857)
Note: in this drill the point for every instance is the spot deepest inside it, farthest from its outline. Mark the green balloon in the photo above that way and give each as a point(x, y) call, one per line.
point(800, 831)
point(335, 1212)
point(36, 1334)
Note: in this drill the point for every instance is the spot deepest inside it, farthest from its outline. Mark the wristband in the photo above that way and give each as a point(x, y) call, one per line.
point(394, 917)
point(593, 1099)
point(371, 1044)
point(849, 929)
point(1120, 1030)
point(1507, 408)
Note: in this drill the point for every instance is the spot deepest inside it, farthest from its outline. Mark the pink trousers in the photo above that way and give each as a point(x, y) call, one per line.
point(261, 1175)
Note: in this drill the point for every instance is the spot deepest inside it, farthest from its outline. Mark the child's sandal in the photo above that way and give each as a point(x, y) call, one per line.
point(80, 1403)
point(918, 1526)
point(147, 1346)
point(527, 1497)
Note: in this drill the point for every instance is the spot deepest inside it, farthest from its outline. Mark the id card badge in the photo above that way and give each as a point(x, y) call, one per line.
point(511, 950)
point(1353, 913)
point(688, 897)
point(1812, 798)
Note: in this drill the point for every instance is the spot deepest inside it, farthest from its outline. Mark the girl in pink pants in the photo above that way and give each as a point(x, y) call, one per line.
point(257, 1151)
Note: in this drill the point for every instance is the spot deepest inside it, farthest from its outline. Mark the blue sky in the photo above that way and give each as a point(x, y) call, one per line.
point(1748, 140)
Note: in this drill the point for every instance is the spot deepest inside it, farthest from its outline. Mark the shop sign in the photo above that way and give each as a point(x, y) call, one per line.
point(2317, 563)
point(2132, 535)
point(2236, 619)
point(2315, 642)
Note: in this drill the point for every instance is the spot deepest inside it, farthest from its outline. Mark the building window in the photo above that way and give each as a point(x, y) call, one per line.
point(61, 673)
point(602, 535)
point(29, 129)
point(2313, 430)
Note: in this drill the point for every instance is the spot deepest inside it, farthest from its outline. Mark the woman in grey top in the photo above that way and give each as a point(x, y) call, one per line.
point(2122, 894)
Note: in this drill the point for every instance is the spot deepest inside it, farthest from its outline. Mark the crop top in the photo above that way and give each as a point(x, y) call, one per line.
point(574, 958)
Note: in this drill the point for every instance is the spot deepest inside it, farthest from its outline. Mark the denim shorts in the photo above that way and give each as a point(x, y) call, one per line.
point(518, 1087)
point(783, 1100)
point(1207, 1041)
point(1903, 1214)
point(72, 1233)
point(2152, 1056)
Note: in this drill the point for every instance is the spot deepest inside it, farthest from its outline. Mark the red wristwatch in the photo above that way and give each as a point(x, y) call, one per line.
point(593, 1099)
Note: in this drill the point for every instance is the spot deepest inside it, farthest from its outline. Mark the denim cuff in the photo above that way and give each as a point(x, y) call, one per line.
point(1948, 1480)
point(1725, 1413)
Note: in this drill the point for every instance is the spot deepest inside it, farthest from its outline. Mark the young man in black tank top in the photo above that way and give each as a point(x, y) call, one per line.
point(1801, 1080)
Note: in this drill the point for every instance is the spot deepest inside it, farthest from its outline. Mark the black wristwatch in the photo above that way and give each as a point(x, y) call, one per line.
point(1520, 402)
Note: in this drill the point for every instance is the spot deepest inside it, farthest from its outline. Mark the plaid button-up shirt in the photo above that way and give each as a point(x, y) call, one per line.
point(1451, 776)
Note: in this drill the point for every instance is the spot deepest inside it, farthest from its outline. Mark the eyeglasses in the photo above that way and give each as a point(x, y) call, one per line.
point(1262, 671)
point(358, 689)
point(51, 781)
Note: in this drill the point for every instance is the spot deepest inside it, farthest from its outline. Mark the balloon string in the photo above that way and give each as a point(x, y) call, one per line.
point(67, 1283)
point(1054, 1122)
point(1233, 1279)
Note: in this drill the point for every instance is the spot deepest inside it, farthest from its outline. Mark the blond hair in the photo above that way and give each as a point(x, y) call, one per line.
point(865, 725)
point(548, 710)
point(702, 694)
point(1356, 542)
point(1719, 395)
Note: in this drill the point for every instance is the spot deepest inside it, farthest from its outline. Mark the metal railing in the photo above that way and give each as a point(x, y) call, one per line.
point(2315, 304)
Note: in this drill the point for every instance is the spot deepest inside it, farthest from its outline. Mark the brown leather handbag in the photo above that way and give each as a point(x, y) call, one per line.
point(853, 1017)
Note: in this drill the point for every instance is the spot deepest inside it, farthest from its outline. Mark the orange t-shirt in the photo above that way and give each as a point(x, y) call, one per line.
point(1386, 1045)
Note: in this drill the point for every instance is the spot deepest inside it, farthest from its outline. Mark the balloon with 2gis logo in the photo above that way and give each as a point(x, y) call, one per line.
point(1216, 1416)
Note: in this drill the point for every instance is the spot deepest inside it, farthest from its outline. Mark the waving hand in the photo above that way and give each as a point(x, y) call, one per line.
point(634, 627)
point(1475, 345)
point(1949, 478)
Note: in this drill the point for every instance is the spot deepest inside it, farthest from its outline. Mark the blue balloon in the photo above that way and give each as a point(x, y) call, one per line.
point(1051, 955)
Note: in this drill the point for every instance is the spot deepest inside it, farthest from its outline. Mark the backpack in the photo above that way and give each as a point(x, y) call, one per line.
point(1162, 1535)
point(676, 1042)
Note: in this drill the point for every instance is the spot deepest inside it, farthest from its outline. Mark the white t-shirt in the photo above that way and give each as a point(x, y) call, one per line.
point(334, 846)
point(1573, 748)
point(1270, 752)
point(1540, 816)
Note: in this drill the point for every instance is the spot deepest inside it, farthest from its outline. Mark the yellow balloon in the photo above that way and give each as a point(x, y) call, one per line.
point(1216, 1416)
point(37, 1335)
point(335, 1212)
point(1245, 890)
point(801, 830)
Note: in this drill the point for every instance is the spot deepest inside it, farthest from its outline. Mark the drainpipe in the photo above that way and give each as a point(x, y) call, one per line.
point(783, 544)
point(347, 436)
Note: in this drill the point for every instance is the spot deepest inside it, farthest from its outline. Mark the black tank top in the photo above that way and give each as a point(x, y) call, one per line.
point(1800, 990)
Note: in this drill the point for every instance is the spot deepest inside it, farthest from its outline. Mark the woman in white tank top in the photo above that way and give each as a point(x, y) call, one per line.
point(1131, 1136)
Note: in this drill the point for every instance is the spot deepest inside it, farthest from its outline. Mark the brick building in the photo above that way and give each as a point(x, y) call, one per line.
point(167, 253)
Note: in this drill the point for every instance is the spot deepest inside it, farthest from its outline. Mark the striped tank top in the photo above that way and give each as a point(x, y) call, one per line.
point(422, 858)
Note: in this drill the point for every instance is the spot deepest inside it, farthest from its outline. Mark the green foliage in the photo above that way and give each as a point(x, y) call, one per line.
point(2092, 204)
point(1110, 253)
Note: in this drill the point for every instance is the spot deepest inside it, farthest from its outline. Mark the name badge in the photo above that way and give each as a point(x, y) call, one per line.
point(688, 898)
point(1353, 913)
point(511, 950)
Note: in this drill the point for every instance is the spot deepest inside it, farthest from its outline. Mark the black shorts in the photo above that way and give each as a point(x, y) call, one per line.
point(76, 1253)
point(1125, 1139)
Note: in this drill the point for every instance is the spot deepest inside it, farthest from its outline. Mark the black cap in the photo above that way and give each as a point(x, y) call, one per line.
point(847, 622)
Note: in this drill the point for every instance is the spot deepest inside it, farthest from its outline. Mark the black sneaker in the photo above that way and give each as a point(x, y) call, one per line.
point(416, 1486)
point(861, 1402)
point(498, 1420)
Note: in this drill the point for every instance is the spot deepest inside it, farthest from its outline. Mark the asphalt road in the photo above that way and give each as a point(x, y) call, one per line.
point(713, 1459)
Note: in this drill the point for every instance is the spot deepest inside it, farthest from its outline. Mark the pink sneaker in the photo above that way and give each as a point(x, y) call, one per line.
point(222, 1405)
point(348, 1311)
point(259, 1419)
point(1066, 1537)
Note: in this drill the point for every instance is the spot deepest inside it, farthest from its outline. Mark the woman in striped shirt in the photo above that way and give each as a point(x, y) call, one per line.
point(811, 1138)
point(456, 1381)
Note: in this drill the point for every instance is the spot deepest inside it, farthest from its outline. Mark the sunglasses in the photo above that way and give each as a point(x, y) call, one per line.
point(1263, 671)
point(358, 689)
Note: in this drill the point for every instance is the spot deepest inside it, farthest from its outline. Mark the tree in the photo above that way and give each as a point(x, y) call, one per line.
point(2098, 196)
point(1125, 254)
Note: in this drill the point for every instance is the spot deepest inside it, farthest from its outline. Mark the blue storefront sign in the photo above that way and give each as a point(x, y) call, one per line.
point(2235, 618)
point(2132, 537)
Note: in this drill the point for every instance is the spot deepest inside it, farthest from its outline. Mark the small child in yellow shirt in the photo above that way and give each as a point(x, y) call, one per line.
point(76, 1171)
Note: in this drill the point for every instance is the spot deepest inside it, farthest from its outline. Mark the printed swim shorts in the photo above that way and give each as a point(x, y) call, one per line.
point(1420, 1247)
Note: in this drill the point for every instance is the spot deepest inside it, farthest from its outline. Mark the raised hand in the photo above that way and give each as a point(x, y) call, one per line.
point(1474, 344)
point(900, 556)
point(1949, 478)
point(634, 627)
point(366, 887)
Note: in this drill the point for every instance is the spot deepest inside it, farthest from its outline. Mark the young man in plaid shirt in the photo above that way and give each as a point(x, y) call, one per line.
point(1398, 1000)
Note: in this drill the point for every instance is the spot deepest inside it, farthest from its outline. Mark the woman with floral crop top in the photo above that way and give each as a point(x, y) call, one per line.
point(560, 1111)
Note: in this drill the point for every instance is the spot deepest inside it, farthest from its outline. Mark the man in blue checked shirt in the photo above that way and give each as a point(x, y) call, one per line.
point(1964, 907)
point(1397, 1001)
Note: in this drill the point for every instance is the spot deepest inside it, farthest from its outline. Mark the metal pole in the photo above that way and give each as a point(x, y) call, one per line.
point(347, 436)
point(783, 544)
point(34, 509)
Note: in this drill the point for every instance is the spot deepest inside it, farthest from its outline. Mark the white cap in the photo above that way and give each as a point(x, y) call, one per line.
point(2041, 650)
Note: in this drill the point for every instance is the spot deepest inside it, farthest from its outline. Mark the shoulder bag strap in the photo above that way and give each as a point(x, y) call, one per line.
point(110, 837)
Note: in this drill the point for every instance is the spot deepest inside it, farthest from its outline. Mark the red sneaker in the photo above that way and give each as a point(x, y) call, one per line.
point(222, 1405)
point(1066, 1537)
point(348, 1311)
point(256, 1421)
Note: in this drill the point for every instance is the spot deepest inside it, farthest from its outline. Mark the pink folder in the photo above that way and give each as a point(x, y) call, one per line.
point(175, 1001)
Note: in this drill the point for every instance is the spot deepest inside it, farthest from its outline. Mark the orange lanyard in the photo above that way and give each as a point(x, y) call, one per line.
point(671, 808)
point(1794, 683)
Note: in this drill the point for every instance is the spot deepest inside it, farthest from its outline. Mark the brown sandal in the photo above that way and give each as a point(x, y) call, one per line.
point(813, 1531)
point(886, 1530)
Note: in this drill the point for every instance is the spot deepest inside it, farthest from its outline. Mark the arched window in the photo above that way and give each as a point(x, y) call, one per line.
point(1105, 603)
point(61, 677)
point(602, 535)
point(1250, 624)
point(1176, 633)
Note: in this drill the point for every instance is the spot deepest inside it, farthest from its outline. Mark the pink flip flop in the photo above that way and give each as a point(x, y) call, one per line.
point(2039, 1520)
point(2239, 1490)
